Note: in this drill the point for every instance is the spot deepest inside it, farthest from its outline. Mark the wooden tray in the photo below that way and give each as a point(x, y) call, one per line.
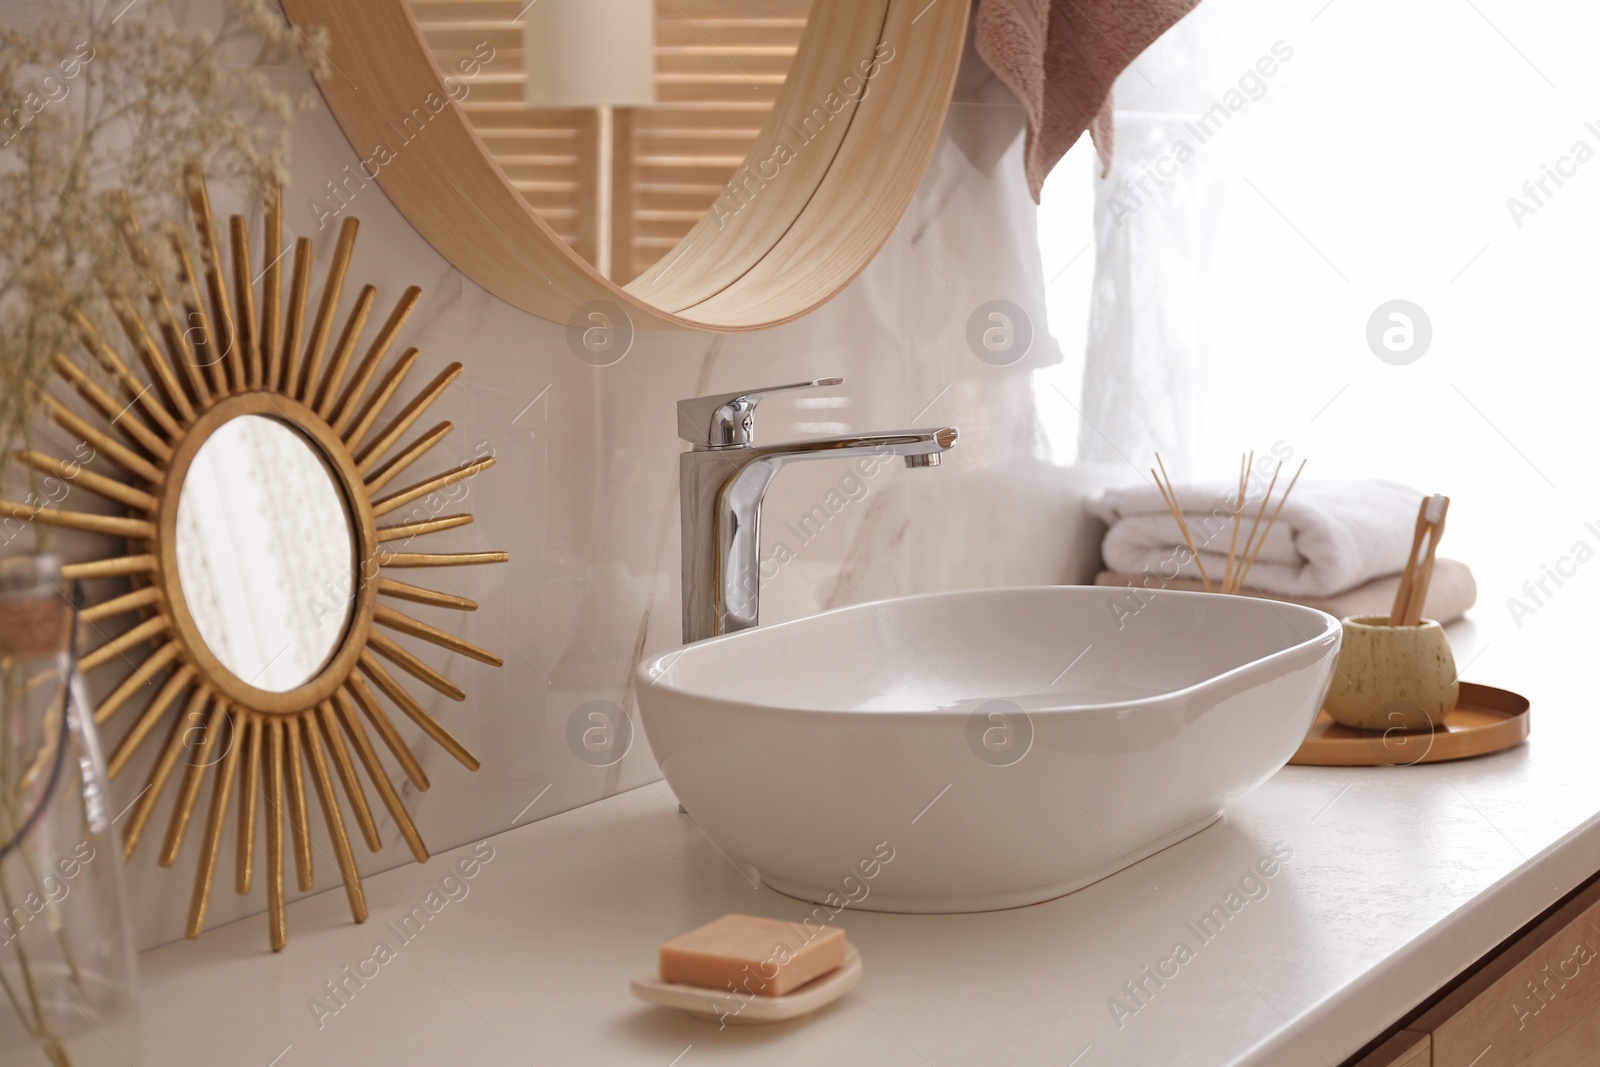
point(1486, 720)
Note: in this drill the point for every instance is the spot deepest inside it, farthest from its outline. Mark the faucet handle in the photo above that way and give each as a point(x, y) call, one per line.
point(728, 420)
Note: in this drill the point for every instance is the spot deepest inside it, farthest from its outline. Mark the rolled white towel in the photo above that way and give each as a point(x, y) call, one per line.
point(1330, 537)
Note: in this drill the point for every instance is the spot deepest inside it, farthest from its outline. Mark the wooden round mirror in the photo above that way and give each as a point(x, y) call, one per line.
point(710, 164)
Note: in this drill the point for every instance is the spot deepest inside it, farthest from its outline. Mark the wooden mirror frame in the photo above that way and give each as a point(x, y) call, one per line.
point(207, 360)
point(801, 237)
point(339, 461)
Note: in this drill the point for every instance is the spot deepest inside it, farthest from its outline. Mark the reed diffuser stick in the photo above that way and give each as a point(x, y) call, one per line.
point(1238, 509)
point(1254, 526)
point(1171, 497)
point(1248, 563)
point(1240, 560)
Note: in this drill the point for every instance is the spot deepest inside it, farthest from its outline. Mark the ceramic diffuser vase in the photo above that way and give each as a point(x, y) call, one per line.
point(1393, 677)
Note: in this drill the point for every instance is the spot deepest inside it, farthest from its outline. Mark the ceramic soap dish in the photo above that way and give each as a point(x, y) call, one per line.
point(1485, 720)
point(717, 1006)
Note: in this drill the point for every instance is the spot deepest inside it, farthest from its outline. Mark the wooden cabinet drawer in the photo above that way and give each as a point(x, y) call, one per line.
point(1535, 1004)
point(1405, 1049)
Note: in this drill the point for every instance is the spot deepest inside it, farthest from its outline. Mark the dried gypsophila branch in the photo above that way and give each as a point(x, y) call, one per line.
point(95, 96)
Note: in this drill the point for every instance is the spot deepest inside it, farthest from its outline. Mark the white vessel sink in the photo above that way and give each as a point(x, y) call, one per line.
point(981, 750)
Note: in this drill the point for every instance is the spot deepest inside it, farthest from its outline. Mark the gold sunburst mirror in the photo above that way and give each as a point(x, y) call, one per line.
point(262, 531)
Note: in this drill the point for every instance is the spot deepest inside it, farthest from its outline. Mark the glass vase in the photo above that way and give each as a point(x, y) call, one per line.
point(66, 949)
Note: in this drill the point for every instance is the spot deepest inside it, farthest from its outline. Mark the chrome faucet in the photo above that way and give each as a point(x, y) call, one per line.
point(722, 481)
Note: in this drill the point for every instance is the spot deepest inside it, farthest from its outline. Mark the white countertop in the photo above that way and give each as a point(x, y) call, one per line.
point(1399, 879)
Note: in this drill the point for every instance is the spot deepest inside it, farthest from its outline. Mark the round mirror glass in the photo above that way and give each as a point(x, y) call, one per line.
point(266, 554)
point(621, 122)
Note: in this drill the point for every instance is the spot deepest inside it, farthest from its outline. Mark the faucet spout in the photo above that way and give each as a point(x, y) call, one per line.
point(721, 490)
point(907, 443)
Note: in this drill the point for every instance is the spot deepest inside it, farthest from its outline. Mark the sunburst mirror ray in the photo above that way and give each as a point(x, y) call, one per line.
point(203, 354)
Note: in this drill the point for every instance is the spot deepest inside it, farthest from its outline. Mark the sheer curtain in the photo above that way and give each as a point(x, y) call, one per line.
point(1284, 173)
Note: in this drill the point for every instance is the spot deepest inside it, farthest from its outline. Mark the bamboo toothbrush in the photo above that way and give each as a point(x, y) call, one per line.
point(1412, 595)
point(1402, 595)
point(1438, 506)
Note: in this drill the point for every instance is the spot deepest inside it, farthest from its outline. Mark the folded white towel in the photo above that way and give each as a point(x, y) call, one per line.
point(1330, 537)
point(1450, 594)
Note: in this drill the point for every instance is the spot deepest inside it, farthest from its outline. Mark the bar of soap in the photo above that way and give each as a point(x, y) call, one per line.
point(751, 956)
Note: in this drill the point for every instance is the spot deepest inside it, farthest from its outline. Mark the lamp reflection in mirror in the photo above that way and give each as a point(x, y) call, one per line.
point(589, 53)
point(598, 54)
point(232, 357)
